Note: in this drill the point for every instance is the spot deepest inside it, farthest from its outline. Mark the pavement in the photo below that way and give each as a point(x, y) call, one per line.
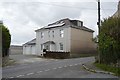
point(51, 68)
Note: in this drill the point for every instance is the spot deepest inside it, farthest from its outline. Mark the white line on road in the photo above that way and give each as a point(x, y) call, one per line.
point(47, 70)
point(39, 71)
point(65, 66)
point(19, 75)
point(59, 67)
point(70, 65)
point(54, 68)
point(11, 77)
point(30, 73)
point(75, 64)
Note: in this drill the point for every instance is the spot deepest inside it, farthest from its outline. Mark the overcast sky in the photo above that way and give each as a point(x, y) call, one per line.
point(23, 17)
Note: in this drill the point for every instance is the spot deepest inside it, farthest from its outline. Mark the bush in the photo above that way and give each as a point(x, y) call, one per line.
point(6, 39)
point(109, 41)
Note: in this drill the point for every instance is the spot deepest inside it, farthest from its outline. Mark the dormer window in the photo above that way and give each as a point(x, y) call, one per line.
point(79, 23)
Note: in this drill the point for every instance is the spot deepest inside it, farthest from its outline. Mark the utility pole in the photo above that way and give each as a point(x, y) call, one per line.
point(99, 23)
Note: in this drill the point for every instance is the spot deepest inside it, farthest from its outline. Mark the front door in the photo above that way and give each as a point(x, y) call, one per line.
point(48, 47)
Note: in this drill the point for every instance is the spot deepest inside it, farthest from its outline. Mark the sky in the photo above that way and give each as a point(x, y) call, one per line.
point(23, 17)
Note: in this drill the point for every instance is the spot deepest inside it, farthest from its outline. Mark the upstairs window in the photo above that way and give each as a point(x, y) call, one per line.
point(48, 33)
point(53, 34)
point(42, 34)
point(61, 33)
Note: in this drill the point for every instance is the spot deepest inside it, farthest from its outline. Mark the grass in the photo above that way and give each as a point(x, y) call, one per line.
point(108, 68)
point(8, 63)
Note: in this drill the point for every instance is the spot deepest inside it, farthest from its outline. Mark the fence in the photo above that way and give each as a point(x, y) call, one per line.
point(56, 54)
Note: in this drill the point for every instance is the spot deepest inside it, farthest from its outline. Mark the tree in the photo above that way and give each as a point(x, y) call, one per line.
point(109, 40)
point(6, 39)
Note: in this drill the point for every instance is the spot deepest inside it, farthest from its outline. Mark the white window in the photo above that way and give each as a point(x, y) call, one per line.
point(53, 34)
point(61, 46)
point(62, 33)
point(42, 34)
point(49, 33)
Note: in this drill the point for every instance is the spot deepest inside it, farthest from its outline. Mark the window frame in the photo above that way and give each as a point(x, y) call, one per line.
point(42, 35)
point(61, 46)
point(61, 33)
point(53, 34)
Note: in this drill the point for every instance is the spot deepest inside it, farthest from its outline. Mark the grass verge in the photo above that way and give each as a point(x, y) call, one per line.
point(8, 63)
point(108, 68)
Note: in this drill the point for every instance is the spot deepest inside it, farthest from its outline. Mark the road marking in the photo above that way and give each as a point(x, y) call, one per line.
point(70, 65)
point(11, 77)
point(59, 67)
point(19, 75)
point(30, 73)
point(75, 64)
point(65, 66)
point(47, 70)
point(54, 68)
point(39, 71)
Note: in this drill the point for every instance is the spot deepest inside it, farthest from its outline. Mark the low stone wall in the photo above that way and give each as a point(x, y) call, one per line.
point(16, 50)
point(56, 54)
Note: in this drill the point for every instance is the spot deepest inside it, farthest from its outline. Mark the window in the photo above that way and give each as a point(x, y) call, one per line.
point(80, 23)
point(61, 46)
point(49, 33)
point(53, 33)
point(42, 34)
point(61, 33)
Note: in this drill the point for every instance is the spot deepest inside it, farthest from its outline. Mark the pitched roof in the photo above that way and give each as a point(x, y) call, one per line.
point(32, 42)
point(65, 23)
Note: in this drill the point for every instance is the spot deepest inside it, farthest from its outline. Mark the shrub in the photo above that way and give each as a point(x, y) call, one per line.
point(6, 39)
point(109, 41)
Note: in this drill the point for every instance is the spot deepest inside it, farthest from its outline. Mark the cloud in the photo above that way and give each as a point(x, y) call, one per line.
point(22, 18)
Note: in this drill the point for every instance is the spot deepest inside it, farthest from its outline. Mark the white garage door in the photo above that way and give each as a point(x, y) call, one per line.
point(28, 50)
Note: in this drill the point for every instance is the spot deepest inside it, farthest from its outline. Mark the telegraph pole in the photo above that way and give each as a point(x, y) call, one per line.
point(98, 23)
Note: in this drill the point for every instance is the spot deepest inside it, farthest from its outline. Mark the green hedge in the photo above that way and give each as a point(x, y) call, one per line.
point(6, 39)
point(109, 41)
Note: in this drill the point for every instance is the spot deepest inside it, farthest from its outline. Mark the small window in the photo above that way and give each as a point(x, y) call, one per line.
point(49, 33)
point(42, 34)
point(53, 34)
point(61, 46)
point(61, 33)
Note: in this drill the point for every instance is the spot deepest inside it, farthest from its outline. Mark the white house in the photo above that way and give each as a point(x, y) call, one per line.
point(65, 35)
point(29, 48)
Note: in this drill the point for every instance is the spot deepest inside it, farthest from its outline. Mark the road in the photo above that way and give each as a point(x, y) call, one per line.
point(53, 68)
